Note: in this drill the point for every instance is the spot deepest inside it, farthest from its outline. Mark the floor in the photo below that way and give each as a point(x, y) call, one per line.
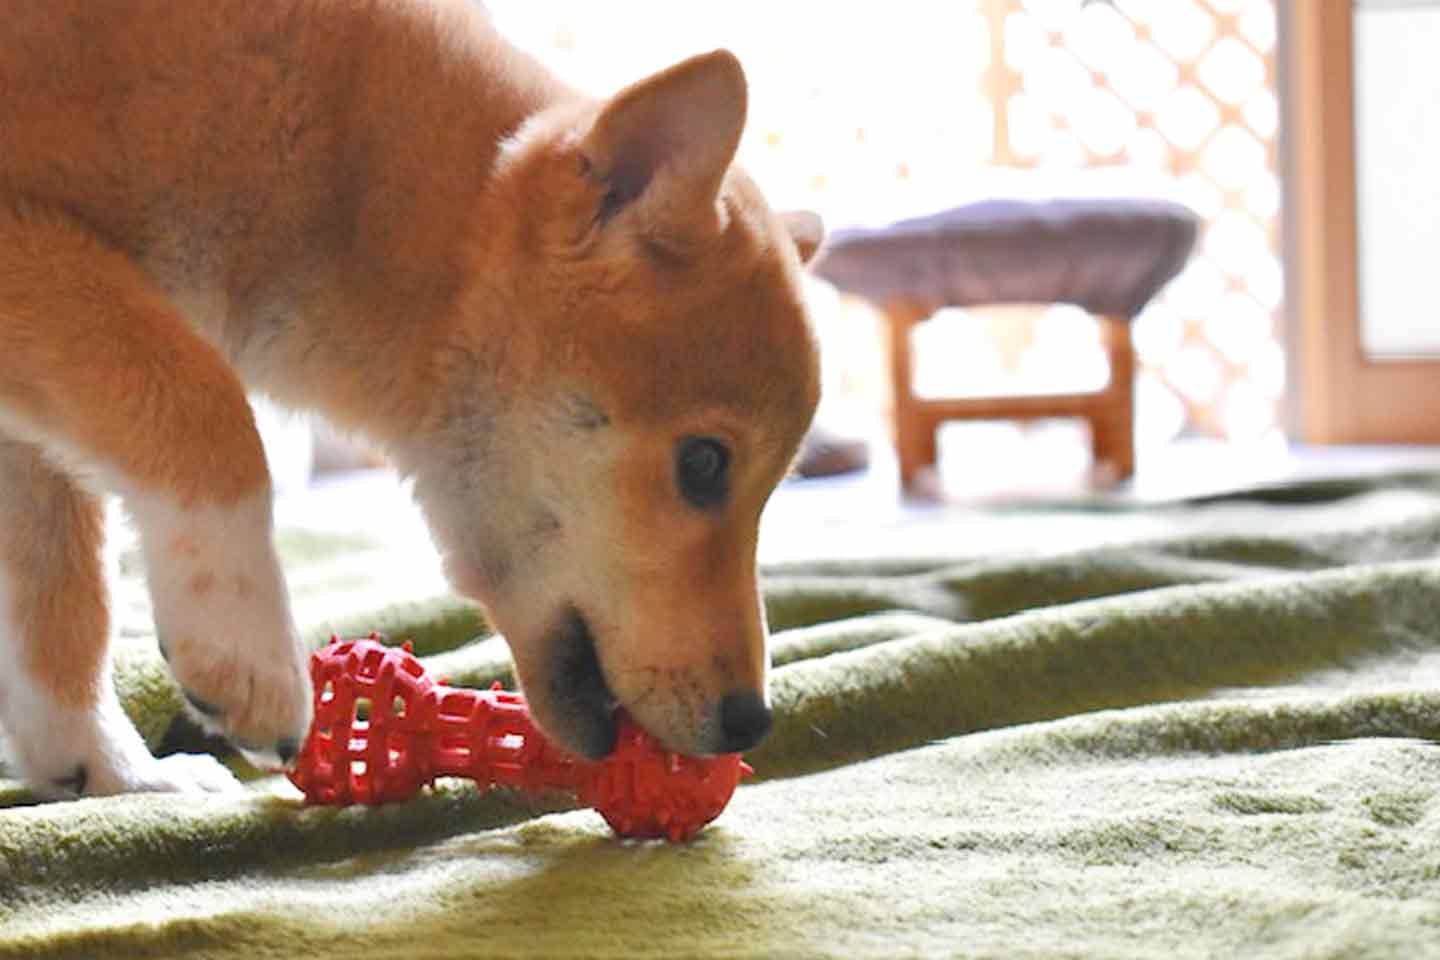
point(994, 476)
point(978, 489)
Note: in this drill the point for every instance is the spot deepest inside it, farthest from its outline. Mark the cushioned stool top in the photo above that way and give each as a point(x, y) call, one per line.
point(1108, 255)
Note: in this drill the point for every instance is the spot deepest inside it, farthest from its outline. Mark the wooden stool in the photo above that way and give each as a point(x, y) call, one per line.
point(1107, 256)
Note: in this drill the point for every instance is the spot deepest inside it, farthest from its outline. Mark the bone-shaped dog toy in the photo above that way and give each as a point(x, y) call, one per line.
point(383, 729)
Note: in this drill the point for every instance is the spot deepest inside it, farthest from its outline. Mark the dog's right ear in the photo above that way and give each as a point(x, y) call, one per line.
point(661, 147)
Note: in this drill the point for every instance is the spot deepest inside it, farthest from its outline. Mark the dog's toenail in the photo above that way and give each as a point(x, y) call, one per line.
point(744, 721)
point(204, 707)
point(286, 748)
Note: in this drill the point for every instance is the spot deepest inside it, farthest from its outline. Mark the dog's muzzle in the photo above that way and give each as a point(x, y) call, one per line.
point(582, 701)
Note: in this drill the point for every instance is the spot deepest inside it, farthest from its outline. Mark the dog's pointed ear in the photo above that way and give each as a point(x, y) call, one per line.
point(664, 144)
point(806, 229)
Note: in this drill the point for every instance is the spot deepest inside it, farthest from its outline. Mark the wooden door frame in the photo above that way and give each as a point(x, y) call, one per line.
point(1341, 395)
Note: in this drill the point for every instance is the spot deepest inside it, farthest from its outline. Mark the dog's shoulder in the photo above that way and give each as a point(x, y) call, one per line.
point(255, 133)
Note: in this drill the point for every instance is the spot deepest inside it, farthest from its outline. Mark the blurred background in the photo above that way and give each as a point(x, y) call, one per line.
point(870, 113)
point(1284, 125)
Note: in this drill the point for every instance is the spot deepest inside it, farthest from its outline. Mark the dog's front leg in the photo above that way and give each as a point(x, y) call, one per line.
point(99, 370)
point(66, 730)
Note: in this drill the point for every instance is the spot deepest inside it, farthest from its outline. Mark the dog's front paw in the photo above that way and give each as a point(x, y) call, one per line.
point(67, 754)
point(223, 618)
point(256, 693)
point(191, 773)
point(177, 773)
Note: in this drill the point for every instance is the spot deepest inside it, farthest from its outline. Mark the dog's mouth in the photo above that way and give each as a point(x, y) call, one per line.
point(582, 705)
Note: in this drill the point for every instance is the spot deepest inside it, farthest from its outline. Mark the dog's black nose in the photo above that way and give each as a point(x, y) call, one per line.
point(744, 721)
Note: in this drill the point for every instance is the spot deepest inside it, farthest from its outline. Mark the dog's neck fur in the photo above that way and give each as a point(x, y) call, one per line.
point(397, 324)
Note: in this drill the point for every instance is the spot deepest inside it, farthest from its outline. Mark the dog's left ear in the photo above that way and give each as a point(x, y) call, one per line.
point(661, 146)
point(806, 229)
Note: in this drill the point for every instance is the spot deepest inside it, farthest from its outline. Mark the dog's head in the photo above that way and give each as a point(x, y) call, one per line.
point(646, 374)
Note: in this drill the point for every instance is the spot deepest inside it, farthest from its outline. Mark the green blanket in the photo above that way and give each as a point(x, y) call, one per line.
point(1191, 731)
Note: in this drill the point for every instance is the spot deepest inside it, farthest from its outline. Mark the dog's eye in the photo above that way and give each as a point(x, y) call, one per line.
point(702, 466)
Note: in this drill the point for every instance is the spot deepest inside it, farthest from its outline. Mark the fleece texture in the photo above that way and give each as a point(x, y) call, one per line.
point(1192, 731)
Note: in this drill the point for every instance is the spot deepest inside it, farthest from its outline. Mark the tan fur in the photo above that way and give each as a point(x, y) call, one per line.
point(122, 377)
point(51, 544)
point(380, 211)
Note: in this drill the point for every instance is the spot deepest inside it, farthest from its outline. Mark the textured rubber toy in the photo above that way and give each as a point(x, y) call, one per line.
point(383, 730)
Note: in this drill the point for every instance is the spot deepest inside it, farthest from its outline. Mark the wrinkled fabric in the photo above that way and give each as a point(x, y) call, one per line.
point(1189, 731)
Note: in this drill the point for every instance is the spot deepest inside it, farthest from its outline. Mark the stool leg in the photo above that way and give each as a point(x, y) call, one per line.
point(1113, 429)
point(914, 439)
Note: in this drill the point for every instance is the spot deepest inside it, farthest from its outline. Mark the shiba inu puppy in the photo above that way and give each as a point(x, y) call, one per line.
point(572, 322)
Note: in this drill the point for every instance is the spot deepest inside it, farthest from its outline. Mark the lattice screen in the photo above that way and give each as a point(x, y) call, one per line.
point(870, 112)
point(1184, 88)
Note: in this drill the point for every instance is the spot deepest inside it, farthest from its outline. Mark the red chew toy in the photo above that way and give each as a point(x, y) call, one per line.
point(383, 729)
